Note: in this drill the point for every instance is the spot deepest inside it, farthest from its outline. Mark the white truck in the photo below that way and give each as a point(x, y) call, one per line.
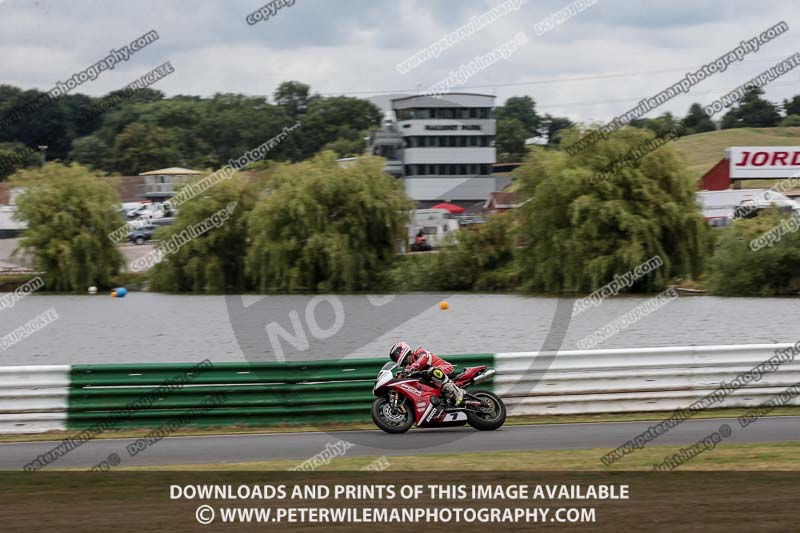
point(435, 225)
point(721, 207)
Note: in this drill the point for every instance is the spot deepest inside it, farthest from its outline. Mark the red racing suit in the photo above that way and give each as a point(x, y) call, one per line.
point(422, 358)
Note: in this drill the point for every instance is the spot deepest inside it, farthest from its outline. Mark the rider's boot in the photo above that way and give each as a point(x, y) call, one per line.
point(454, 393)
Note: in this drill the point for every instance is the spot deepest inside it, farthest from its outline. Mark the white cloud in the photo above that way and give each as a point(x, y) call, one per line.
point(353, 47)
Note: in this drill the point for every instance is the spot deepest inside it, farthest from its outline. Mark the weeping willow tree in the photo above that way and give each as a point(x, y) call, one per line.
point(70, 213)
point(324, 227)
point(604, 211)
point(204, 249)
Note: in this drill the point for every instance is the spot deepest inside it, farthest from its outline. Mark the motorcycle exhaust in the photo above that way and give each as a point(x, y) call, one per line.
point(487, 375)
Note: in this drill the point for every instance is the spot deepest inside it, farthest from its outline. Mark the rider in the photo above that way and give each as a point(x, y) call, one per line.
point(437, 368)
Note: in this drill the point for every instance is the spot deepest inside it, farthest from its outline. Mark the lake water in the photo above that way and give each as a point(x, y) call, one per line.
point(149, 327)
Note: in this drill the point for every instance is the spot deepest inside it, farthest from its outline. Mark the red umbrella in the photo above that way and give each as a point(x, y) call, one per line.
point(452, 208)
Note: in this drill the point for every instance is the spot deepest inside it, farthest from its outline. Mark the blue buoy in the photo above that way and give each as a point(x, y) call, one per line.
point(121, 292)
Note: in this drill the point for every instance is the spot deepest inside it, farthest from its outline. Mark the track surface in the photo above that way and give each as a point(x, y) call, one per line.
point(301, 446)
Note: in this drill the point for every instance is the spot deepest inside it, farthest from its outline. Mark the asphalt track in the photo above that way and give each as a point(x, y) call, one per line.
point(300, 446)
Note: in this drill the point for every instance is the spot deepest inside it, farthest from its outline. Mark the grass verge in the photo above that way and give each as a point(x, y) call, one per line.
point(770, 456)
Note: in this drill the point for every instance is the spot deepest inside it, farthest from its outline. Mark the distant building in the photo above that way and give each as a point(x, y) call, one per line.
point(501, 201)
point(752, 163)
point(441, 146)
point(161, 185)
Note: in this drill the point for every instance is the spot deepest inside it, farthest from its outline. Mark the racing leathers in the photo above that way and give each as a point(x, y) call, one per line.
point(438, 370)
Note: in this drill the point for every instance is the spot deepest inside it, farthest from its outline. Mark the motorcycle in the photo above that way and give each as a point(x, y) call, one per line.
point(408, 399)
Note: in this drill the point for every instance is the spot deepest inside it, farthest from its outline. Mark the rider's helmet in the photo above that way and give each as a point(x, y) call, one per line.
point(399, 352)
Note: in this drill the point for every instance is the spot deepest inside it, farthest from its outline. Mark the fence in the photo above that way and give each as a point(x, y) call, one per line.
point(44, 398)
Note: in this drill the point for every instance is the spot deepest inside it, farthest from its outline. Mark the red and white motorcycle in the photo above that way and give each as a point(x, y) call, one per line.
point(408, 399)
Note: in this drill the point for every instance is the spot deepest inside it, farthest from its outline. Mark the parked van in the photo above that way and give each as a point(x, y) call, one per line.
point(146, 212)
point(721, 207)
point(435, 224)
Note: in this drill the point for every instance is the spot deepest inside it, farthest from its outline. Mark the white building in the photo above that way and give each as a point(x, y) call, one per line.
point(441, 146)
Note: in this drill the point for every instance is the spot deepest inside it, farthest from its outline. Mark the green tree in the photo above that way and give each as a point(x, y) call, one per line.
point(580, 234)
point(792, 107)
point(140, 148)
point(553, 126)
point(213, 261)
point(697, 121)
point(510, 140)
point(481, 258)
point(752, 112)
point(14, 156)
point(736, 269)
point(326, 228)
point(90, 151)
point(329, 119)
point(791, 121)
point(522, 108)
point(70, 213)
point(661, 125)
point(293, 97)
point(343, 147)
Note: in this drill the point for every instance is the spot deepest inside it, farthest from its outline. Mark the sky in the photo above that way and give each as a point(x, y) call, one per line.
point(591, 67)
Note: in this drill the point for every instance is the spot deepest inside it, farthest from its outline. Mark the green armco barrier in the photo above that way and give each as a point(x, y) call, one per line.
point(228, 394)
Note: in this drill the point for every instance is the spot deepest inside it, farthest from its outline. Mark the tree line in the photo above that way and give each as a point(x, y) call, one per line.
point(143, 130)
point(128, 132)
point(316, 226)
point(518, 122)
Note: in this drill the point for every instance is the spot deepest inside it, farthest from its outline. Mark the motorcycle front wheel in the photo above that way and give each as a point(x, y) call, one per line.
point(392, 420)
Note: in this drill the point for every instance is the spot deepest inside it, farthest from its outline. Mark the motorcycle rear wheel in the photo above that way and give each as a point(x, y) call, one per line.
point(492, 418)
point(388, 421)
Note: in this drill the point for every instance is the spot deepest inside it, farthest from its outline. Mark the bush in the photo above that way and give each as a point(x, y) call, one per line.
point(791, 120)
point(474, 261)
point(736, 269)
point(479, 258)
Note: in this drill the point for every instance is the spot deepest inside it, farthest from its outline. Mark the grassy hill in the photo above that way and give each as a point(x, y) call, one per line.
point(704, 150)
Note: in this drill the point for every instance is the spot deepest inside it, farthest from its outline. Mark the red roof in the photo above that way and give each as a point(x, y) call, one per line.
point(453, 208)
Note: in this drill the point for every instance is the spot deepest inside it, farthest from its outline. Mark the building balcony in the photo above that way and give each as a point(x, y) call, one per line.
point(461, 155)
